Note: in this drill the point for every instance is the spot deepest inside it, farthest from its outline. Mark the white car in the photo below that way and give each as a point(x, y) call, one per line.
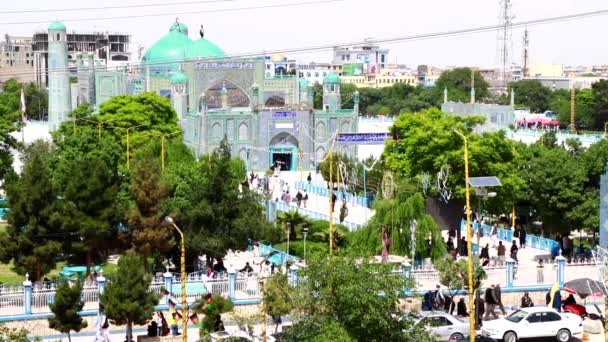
point(445, 327)
point(533, 322)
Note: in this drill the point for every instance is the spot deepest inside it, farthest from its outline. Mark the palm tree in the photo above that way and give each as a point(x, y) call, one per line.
point(294, 220)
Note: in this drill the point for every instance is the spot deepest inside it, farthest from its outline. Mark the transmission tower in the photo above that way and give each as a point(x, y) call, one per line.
point(526, 56)
point(505, 19)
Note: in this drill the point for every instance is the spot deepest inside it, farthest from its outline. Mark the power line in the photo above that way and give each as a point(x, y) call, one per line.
point(310, 49)
point(235, 9)
point(114, 7)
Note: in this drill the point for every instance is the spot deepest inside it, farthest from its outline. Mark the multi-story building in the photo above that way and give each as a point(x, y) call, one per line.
point(16, 59)
point(111, 48)
point(316, 72)
point(370, 55)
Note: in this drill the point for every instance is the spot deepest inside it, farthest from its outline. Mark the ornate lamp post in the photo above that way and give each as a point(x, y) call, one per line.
point(183, 280)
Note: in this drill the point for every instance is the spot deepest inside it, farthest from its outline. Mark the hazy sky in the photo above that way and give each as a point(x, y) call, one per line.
point(572, 42)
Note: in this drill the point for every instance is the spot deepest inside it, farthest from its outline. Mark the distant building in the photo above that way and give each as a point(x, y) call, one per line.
point(497, 116)
point(16, 59)
point(111, 48)
point(316, 72)
point(545, 70)
point(370, 55)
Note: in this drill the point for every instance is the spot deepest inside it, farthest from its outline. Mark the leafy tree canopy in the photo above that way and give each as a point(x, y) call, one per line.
point(65, 308)
point(458, 83)
point(346, 291)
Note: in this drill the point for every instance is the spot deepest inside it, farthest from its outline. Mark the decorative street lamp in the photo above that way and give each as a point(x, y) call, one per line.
point(183, 279)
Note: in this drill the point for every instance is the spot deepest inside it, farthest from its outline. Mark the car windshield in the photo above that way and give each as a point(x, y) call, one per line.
point(517, 316)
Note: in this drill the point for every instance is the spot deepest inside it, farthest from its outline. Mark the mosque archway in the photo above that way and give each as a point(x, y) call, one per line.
point(320, 154)
point(237, 97)
point(284, 151)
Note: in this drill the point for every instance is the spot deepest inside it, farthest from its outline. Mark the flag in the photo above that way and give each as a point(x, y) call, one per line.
point(194, 319)
point(164, 291)
point(22, 106)
point(171, 303)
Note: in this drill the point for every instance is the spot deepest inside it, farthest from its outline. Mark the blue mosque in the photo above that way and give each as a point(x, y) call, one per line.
point(258, 103)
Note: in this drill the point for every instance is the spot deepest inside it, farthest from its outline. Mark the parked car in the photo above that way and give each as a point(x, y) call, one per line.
point(534, 322)
point(445, 327)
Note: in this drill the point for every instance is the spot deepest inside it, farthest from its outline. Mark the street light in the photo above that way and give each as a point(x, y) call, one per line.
point(128, 129)
point(183, 279)
point(469, 247)
point(288, 225)
point(305, 233)
point(162, 147)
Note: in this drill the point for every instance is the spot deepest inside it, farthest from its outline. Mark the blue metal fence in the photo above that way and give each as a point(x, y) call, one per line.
point(533, 241)
point(322, 190)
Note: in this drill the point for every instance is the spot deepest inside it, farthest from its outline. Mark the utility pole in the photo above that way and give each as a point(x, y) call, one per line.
point(504, 38)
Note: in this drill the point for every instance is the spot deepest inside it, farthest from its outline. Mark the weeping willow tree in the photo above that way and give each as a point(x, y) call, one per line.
point(407, 224)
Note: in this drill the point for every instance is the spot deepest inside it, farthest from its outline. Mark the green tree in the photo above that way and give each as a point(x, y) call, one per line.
point(32, 240)
point(531, 94)
point(426, 143)
point(554, 188)
point(600, 96)
point(400, 215)
point(126, 298)
point(65, 309)
point(277, 298)
point(455, 275)
point(346, 291)
point(15, 335)
point(294, 221)
point(560, 103)
point(219, 217)
point(150, 234)
point(212, 308)
point(458, 83)
point(9, 123)
point(148, 116)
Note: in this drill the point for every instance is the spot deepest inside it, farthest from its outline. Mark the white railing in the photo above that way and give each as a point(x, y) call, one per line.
point(217, 286)
point(90, 294)
point(11, 300)
point(246, 288)
point(41, 298)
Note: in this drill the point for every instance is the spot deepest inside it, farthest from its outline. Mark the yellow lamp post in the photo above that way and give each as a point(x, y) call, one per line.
point(100, 125)
point(469, 238)
point(183, 279)
point(128, 146)
point(162, 147)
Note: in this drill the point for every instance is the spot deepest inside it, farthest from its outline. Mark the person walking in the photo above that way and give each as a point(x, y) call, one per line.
point(334, 198)
point(305, 198)
point(498, 293)
point(309, 178)
point(173, 323)
point(522, 237)
point(464, 248)
point(484, 255)
point(514, 250)
point(501, 253)
point(490, 299)
point(299, 198)
point(494, 234)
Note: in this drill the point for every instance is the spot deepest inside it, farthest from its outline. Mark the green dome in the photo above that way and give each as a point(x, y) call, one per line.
point(303, 83)
point(179, 27)
point(331, 78)
point(57, 25)
point(171, 47)
point(203, 48)
point(179, 78)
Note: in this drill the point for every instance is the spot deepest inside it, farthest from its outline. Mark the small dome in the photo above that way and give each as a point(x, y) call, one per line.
point(57, 25)
point(303, 83)
point(331, 78)
point(204, 48)
point(277, 58)
point(179, 78)
point(179, 27)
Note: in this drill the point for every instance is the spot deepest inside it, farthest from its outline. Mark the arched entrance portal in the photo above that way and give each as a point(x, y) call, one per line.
point(283, 152)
